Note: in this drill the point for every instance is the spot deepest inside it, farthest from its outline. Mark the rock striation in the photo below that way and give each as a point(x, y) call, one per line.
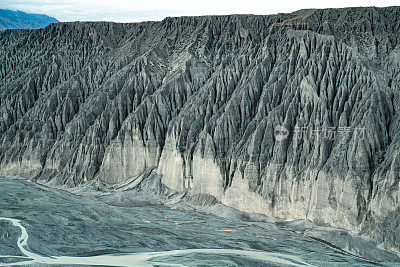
point(196, 100)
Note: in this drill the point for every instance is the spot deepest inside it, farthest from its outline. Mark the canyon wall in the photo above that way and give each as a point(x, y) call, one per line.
point(197, 100)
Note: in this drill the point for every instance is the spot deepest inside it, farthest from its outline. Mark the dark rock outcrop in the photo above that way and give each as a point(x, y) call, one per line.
point(198, 98)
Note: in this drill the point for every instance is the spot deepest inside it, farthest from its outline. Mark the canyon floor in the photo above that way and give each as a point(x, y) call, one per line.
point(126, 226)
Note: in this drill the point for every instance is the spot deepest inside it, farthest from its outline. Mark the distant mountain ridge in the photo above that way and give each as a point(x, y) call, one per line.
point(10, 19)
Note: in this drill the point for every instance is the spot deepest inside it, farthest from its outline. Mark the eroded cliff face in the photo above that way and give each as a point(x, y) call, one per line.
point(197, 100)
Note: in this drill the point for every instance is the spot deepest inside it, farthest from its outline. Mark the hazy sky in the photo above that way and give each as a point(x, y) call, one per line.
point(140, 10)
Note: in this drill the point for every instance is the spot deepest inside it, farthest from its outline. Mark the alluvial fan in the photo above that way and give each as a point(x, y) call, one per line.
point(39, 228)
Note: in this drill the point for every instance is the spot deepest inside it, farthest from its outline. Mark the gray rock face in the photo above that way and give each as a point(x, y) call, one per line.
point(197, 99)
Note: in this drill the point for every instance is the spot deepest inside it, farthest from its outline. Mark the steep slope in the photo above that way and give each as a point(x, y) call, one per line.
point(10, 19)
point(197, 100)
